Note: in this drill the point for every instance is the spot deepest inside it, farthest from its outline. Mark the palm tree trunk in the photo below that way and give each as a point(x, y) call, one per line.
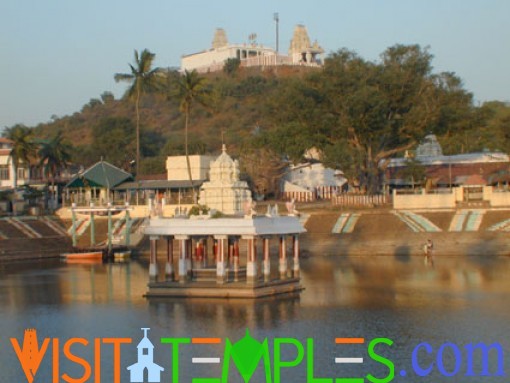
point(187, 153)
point(137, 108)
point(15, 175)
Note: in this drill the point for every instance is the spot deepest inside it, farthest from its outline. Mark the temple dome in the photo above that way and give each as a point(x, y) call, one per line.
point(224, 191)
point(224, 169)
point(429, 147)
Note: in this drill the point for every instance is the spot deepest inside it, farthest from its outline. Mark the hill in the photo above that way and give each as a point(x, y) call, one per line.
point(357, 113)
point(239, 106)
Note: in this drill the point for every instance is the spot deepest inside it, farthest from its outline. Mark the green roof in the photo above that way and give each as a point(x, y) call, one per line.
point(100, 175)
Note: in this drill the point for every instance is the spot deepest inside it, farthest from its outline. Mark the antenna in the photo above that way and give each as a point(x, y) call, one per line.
point(276, 18)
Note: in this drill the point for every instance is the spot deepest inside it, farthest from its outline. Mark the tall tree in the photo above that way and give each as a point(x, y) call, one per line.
point(191, 89)
point(142, 79)
point(23, 146)
point(54, 155)
point(361, 113)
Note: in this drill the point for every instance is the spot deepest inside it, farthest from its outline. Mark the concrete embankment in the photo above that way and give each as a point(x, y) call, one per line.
point(28, 237)
point(23, 238)
point(389, 232)
point(330, 231)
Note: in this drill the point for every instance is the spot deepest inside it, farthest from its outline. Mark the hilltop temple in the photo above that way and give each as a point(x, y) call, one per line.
point(301, 52)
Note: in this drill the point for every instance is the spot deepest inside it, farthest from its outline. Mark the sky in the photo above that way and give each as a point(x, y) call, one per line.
point(58, 54)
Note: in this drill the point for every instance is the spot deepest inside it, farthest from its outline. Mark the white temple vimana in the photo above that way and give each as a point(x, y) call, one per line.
point(224, 191)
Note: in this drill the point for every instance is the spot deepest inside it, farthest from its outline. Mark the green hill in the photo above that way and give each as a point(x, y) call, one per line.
point(239, 106)
point(357, 113)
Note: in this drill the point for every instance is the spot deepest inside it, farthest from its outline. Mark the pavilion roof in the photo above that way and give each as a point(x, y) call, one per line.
point(101, 175)
point(256, 226)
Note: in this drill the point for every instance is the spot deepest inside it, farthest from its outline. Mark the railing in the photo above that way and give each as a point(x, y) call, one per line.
point(318, 193)
point(362, 200)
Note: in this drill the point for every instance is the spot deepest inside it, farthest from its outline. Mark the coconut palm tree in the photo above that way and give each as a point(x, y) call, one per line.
point(142, 79)
point(53, 156)
point(23, 146)
point(191, 88)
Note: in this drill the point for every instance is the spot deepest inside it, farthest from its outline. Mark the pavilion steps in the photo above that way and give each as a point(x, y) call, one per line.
point(209, 274)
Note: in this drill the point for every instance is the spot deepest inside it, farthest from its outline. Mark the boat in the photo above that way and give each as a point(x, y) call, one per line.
point(121, 255)
point(90, 255)
point(85, 261)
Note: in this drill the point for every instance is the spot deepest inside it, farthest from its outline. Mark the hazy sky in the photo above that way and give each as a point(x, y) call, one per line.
point(58, 54)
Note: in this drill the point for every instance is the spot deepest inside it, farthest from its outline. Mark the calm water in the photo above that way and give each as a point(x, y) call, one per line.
point(459, 300)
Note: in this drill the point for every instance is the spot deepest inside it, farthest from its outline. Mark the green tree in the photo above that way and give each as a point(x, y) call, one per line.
point(191, 89)
point(107, 97)
point(413, 171)
point(113, 140)
point(457, 118)
point(231, 66)
point(54, 155)
point(142, 79)
point(23, 146)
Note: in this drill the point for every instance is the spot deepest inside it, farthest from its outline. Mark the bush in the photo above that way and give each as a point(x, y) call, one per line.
point(198, 210)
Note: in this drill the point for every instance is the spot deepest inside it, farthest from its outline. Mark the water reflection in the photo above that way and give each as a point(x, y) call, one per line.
point(402, 282)
point(345, 281)
point(462, 299)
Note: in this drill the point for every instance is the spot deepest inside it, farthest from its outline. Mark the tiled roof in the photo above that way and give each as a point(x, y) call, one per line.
point(457, 173)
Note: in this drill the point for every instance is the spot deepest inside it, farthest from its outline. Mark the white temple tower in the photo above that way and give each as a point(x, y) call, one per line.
point(224, 191)
point(301, 50)
point(220, 39)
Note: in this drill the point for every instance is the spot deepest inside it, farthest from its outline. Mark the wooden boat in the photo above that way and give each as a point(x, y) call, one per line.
point(90, 255)
point(79, 261)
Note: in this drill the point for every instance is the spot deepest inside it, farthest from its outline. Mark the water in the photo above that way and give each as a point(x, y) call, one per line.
point(460, 300)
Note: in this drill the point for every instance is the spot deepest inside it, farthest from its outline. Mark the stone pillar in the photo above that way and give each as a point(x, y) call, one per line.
point(230, 259)
point(92, 230)
point(251, 260)
point(295, 252)
point(267, 261)
point(182, 270)
point(153, 267)
point(169, 268)
point(73, 229)
point(127, 227)
point(220, 258)
point(215, 250)
point(110, 230)
point(283, 259)
point(236, 260)
point(189, 258)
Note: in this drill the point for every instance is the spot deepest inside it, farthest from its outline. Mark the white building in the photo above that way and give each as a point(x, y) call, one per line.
point(301, 52)
point(177, 168)
point(7, 167)
point(308, 181)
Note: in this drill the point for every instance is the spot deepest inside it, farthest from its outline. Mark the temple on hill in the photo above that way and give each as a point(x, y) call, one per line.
point(301, 52)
